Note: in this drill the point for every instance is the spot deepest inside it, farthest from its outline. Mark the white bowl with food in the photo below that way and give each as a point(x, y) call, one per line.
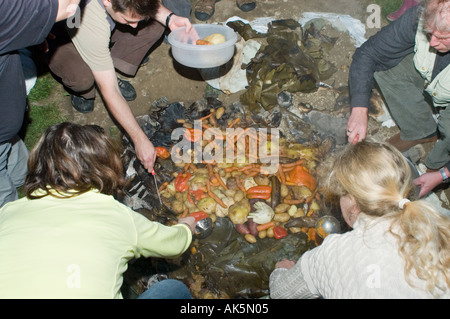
point(205, 46)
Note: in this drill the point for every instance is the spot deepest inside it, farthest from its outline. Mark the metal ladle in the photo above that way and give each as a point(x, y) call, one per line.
point(327, 225)
point(203, 228)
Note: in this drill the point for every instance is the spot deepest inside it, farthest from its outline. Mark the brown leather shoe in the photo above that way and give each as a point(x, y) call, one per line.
point(403, 146)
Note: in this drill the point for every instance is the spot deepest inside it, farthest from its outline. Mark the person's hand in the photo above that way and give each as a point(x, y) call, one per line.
point(428, 182)
point(146, 153)
point(177, 22)
point(190, 221)
point(285, 263)
point(43, 47)
point(357, 125)
point(188, 37)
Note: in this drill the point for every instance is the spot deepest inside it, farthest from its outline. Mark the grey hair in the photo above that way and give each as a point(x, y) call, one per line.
point(436, 15)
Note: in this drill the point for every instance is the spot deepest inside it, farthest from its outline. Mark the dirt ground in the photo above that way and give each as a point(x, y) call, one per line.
point(163, 77)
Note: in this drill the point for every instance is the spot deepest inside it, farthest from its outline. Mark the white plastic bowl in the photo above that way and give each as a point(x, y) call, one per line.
point(202, 56)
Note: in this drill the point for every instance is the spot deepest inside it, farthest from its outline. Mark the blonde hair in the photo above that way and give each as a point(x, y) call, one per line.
point(379, 178)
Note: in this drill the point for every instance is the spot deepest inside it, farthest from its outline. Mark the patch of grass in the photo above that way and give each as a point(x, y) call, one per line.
point(388, 6)
point(42, 89)
point(40, 117)
point(42, 113)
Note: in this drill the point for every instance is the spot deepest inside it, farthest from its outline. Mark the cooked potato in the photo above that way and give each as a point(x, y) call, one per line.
point(215, 38)
point(269, 232)
point(239, 211)
point(230, 192)
point(284, 190)
point(179, 196)
point(207, 204)
point(239, 195)
point(281, 217)
point(262, 234)
point(221, 211)
point(282, 208)
point(262, 180)
point(250, 238)
point(292, 210)
point(178, 206)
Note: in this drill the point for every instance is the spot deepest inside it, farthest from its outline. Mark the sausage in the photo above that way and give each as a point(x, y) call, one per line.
point(301, 222)
point(276, 192)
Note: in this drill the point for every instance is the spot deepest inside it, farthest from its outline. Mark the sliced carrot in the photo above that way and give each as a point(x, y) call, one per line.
point(163, 186)
point(219, 179)
point(296, 163)
point(234, 122)
point(214, 196)
point(265, 226)
point(281, 172)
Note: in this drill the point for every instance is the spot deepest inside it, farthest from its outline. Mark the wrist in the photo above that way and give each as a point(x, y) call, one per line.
point(445, 174)
point(169, 16)
point(361, 109)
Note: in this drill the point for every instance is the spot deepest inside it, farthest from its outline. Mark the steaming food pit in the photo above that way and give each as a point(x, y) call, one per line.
point(252, 166)
point(266, 196)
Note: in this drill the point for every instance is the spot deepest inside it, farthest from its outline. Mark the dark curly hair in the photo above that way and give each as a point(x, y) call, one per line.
point(71, 159)
point(143, 8)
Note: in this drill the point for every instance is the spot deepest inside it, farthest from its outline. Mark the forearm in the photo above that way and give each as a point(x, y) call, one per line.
point(117, 105)
point(157, 240)
point(162, 14)
point(121, 111)
point(380, 52)
point(66, 9)
point(289, 284)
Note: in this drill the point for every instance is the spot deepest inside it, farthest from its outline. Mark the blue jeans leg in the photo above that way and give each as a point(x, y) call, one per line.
point(13, 169)
point(167, 289)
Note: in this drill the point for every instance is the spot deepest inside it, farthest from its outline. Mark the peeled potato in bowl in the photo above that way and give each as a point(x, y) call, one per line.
point(214, 38)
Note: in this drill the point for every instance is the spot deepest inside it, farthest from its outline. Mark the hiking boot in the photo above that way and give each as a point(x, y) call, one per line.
point(403, 146)
point(81, 104)
point(127, 90)
point(246, 5)
point(204, 9)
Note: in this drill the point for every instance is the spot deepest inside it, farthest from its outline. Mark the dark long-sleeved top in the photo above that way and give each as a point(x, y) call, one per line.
point(383, 51)
point(23, 23)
